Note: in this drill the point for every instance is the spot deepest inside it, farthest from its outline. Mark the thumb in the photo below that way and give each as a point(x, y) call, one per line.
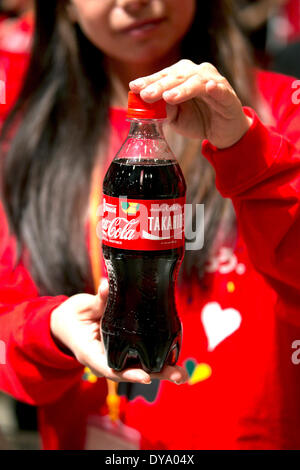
point(97, 307)
point(172, 112)
point(100, 299)
point(103, 289)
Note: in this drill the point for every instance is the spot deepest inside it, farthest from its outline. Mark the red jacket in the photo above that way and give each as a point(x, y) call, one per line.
point(15, 43)
point(238, 332)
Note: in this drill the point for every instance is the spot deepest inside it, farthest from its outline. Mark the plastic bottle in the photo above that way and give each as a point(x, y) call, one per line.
point(143, 244)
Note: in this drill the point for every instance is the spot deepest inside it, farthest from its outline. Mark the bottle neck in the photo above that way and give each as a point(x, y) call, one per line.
point(146, 129)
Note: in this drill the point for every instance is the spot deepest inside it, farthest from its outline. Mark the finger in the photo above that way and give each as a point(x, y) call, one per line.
point(218, 94)
point(216, 106)
point(134, 375)
point(181, 70)
point(174, 374)
point(222, 94)
point(94, 358)
point(172, 113)
point(155, 91)
point(142, 82)
point(191, 88)
point(192, 81)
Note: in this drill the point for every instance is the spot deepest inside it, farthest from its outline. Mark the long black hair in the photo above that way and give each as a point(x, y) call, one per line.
point(61, 118)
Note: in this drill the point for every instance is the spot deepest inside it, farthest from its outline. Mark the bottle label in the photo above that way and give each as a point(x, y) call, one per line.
point(142, 224)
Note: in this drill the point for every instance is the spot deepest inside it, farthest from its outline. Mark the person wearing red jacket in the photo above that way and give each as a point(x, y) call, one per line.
point(238, 298)
point(15, 44)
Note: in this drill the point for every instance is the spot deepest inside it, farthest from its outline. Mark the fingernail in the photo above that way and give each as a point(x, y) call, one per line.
point(211, 83)
point(179, 381)
point(139, 83)
point(171, 94)
point(211, 86)
point(103, 285)
point(145, 379)
point(138, 376)
point(149, 91)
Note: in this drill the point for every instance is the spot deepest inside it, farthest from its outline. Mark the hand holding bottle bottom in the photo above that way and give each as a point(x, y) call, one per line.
point(75, 325)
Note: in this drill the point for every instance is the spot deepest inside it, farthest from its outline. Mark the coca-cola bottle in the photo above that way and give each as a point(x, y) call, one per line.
point(143, 244)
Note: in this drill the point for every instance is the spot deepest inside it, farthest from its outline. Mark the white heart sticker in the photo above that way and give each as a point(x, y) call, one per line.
point(218, 323)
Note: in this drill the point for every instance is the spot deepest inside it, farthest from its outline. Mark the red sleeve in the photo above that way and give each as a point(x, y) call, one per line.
point(32, 368)
point(13, 67)
point(261, 174)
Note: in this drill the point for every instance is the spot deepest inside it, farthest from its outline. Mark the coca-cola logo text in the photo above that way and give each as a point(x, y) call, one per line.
point(119, 228)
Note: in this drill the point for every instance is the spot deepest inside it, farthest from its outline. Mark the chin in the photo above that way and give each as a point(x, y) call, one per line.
point(147, 56)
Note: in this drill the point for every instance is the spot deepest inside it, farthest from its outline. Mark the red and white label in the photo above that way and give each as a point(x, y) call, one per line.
point(139, 224)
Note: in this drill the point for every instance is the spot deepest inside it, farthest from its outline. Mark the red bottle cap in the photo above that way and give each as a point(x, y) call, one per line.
point(137, 108)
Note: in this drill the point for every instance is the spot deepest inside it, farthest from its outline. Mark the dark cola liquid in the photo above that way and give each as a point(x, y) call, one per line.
point(140, 327)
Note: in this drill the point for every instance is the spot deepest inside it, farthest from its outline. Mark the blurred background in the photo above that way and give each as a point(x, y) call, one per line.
point(273, 28)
